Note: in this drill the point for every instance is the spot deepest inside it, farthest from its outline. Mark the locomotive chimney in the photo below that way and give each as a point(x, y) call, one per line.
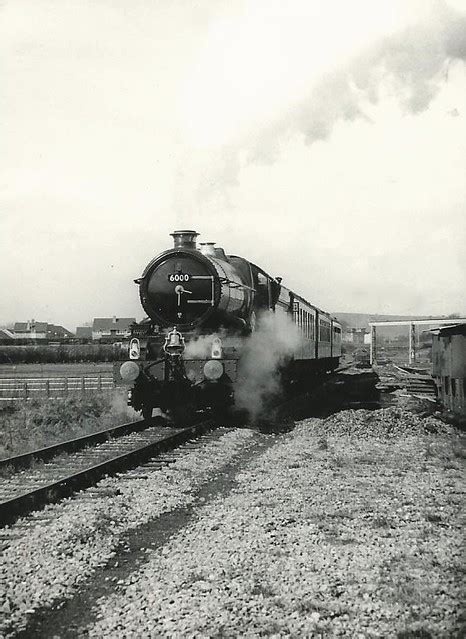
point(207, 248)
point(184, 239)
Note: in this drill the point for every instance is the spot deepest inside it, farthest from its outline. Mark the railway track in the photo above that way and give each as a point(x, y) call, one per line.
point(43, 454)
point(113, 450)
point(32, 489)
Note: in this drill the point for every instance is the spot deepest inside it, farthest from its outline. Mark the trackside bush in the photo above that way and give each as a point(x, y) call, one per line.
point(61, 353)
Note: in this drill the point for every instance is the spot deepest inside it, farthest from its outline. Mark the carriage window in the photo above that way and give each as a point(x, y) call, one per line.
point(324, 331)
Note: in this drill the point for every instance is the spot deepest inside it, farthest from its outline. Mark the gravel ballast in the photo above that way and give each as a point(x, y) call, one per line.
point(61, 546)
point(349, 526)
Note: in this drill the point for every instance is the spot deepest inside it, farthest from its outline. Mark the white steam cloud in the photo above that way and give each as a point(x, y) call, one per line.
point(276, 339)
point(409, 65)
point(200, 347)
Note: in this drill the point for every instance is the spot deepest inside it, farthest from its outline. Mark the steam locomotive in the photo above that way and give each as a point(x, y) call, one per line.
point(203, 310)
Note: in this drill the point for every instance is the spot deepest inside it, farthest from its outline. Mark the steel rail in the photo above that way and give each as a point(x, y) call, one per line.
point(70, 446)
point(12, 509)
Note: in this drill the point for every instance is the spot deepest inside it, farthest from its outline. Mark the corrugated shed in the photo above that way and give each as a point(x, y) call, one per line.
point(449, 366)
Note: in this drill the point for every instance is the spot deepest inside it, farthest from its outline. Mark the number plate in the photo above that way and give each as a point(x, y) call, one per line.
point(179, 277)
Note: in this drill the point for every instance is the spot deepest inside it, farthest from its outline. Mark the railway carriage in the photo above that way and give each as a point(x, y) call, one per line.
point(203, 308)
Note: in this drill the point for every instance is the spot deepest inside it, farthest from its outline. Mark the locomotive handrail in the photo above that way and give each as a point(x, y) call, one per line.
point(224, 280)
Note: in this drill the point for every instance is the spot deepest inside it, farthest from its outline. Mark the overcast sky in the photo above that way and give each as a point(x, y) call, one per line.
point(323, 140)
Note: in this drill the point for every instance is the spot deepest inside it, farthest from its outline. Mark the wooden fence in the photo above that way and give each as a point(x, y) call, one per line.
point(21, 389)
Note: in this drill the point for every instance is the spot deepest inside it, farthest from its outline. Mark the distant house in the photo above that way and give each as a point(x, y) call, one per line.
point(84, 332)
point(58, 332)
point(40, 330)
point(30, 330)
point(6, 334)
point(357, 336)
point(112, 327)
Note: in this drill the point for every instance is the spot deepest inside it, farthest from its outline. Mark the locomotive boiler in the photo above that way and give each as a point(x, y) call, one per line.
point(203, 309)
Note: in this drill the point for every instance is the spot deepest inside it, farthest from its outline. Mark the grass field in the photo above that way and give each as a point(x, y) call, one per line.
point(40, 423)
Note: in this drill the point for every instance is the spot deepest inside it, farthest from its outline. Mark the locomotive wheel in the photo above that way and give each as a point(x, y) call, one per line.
point(222, 412)
point(182, 415)
point(147, 413)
